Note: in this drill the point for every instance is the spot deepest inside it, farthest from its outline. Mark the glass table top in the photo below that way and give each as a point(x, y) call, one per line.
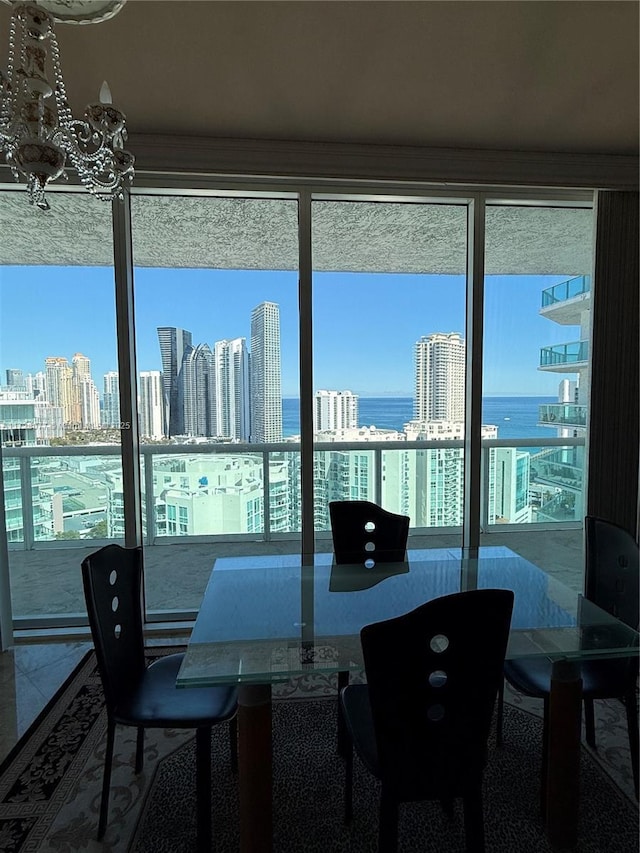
point(265, 619)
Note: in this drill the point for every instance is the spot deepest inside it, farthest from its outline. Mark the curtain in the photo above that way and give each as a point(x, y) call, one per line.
point(613, 463)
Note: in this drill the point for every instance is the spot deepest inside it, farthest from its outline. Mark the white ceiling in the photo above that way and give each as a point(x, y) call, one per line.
point(526, 76)
point(521, 76)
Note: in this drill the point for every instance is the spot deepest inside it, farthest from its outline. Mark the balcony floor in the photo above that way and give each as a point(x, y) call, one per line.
point(47, 581)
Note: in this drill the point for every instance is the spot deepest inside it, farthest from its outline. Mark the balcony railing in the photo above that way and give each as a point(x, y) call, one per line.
point(566, 290)
point(253, 490)
point(568, 355)
point(563, 414)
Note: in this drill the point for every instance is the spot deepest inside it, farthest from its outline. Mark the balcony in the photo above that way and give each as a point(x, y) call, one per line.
point(565, 358)
point(565, 302)
point(45, 576)
point(563, 414)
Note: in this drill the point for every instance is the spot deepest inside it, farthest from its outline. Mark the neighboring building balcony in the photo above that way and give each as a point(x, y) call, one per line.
point(559, 467)
point(565, 358)
point(562, 414)
point(565, 302)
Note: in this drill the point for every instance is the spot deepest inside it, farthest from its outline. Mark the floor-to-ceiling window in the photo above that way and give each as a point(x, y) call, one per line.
point(60, 445)
point(389, 284)
point(537, 289)
point(220, 286)
point(216, 300)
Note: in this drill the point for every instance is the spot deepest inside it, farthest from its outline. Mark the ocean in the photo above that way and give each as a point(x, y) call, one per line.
point(515, 417)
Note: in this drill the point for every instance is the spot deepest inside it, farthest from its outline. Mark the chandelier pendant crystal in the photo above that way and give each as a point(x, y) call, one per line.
point(38, 133)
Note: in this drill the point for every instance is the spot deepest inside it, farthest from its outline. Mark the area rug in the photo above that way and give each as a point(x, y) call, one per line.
point(50, 786)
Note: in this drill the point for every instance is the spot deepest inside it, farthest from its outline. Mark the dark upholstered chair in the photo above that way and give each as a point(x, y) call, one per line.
point(140, 695)
point(611, 582)
point(365, 533)
point(422, 721)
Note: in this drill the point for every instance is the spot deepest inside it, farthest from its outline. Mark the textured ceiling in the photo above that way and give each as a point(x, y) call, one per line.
point(521, 76)
point(235, 233)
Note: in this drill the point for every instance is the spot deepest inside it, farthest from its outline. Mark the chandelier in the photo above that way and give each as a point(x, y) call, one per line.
point(38, 133)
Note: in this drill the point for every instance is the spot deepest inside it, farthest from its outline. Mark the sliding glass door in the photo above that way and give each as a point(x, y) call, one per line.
point(218, 376)
point(537, 301)
point(389, 296)
point(58, 346)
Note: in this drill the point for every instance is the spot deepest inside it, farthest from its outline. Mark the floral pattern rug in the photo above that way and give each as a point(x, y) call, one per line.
point(50, 782)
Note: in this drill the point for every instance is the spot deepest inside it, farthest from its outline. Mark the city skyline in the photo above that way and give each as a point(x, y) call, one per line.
point(346, 354)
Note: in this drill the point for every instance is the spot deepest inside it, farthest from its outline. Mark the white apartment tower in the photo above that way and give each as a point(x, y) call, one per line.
point(266, 397)
point(232, 389)
point(150, 404)
point(36, 385)
point(440, 373)
point(334, 410)
point(111, 400)
point(89, 403)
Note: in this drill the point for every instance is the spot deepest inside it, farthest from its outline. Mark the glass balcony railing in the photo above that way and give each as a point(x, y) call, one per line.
point(227, 491)
point(563, 414)
point(566, 290)
point(565, 355)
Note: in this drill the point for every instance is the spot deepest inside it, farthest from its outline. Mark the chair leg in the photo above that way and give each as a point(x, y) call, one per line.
point(388, 829)
point(545, 757)
point(447, 808)
point(203, 789)
point(474, 822)
point(631, 707)
point(106, 779)
point(233, 742)
point(343, 735)
point(589, 722)
point(140, 750)
point(500, 713)
point(348, 779)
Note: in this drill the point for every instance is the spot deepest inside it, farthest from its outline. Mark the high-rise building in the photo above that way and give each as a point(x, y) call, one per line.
point(173, 344)
point(36, 385)
point(89, 403)
point(59, 384)
point(25, 422)
point(15, 378)
point(232, 389)
point(86, 400)
point(560, 470)
point(150, 404)
point(197, 392)
point(111, 400)
point(266, 397)
point(440, 373)
point(335, 410)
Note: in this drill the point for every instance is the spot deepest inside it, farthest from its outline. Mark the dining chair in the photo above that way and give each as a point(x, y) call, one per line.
point(611, 582)
point(421, 723)
point(365, 533)
point(141, 695)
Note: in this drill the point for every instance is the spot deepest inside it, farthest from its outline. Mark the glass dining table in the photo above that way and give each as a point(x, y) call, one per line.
point(267, 619)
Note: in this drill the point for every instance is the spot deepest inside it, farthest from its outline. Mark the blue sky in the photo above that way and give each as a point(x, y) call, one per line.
point(365, 325)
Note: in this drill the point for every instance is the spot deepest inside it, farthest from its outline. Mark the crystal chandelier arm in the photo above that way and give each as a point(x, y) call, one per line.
point(37, 138)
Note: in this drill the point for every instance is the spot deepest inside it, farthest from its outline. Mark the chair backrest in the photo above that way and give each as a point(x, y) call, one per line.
point(112, 579)
point(612, 569)
point(363, 531)
point(433, 677)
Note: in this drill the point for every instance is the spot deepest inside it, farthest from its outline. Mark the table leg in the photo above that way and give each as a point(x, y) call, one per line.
point(254, 768)
point(563, 755)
